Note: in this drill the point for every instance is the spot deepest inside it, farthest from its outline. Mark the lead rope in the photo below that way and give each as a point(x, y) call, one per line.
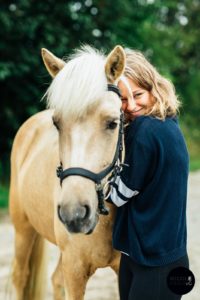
point(103, 210)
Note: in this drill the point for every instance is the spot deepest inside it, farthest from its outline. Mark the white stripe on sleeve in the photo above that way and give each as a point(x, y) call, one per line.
point(116, 199)
point(124, 190)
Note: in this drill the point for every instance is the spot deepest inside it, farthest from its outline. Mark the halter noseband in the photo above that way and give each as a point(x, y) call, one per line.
point(115, 166)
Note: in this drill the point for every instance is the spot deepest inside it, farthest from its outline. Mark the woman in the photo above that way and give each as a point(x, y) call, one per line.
point(150, 225)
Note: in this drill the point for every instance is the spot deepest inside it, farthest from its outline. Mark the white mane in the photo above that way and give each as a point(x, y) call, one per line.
point(79, 84)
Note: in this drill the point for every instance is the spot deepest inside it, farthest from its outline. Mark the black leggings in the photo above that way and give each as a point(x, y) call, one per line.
point(138, 282)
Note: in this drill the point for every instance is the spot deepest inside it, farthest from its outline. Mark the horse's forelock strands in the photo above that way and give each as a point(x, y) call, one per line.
point(79, 85)
point(85, 50)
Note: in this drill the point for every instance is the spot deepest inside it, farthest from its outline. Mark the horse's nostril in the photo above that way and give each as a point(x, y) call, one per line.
point(59, 214)
point(87, 211)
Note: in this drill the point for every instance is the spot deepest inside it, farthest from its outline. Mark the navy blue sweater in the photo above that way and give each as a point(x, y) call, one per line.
point(151, 193)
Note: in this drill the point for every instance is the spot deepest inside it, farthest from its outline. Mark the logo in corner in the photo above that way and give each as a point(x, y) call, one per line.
point(180, 280)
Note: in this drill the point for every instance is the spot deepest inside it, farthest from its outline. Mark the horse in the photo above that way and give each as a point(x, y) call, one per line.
point(78, 132)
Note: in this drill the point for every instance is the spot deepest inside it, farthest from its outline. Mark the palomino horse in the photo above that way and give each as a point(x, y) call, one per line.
point(86, 118)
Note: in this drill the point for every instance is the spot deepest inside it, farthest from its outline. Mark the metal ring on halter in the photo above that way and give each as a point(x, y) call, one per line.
point(110, 189)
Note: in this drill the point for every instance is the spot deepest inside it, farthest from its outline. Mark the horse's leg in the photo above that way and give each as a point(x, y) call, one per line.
point(58, 282)
point(24, 240)
point(115, 262)
point(76, 274)
point(27, 262)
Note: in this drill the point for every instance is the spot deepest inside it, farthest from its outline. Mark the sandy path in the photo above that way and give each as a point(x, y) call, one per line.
point(103, 284)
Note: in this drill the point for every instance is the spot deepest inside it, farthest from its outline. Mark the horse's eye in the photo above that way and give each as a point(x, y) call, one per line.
point(55, 123)
point(111, 125)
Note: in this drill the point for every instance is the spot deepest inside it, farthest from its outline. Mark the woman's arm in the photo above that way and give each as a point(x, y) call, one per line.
point(141, 160)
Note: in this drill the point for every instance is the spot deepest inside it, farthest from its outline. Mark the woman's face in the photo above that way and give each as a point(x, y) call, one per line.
point(137, 101)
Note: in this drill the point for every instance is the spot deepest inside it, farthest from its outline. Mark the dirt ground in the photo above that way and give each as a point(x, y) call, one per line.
point(103, 284)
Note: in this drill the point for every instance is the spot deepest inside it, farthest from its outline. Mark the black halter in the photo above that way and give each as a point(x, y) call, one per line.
point(115, 166)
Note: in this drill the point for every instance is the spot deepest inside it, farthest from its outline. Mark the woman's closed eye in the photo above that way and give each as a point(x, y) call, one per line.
point(135, 96)
point(138, 95)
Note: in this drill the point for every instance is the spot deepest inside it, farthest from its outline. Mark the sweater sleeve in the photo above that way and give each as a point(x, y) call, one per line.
point(140, 158)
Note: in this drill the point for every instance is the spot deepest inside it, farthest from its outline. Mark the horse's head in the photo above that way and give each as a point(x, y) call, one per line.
point(87, 118)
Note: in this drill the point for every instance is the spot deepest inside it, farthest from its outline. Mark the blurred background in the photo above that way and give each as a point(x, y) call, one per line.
point(167, 31)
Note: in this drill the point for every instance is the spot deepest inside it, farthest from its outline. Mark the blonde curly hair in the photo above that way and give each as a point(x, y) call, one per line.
point(140, 70)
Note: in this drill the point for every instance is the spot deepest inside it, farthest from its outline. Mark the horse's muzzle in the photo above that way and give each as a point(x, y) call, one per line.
point(76, 220)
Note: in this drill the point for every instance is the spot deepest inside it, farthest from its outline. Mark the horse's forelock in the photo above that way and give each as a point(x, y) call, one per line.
point(79, 84)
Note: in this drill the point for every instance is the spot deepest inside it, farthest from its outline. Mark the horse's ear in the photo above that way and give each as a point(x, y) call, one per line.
point(52, 63)
point(115, 64)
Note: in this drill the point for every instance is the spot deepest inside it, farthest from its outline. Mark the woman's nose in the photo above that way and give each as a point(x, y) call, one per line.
point(130, 105)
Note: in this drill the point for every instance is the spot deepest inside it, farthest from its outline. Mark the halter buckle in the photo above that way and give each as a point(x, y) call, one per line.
point(103, 210)
point(59, 171)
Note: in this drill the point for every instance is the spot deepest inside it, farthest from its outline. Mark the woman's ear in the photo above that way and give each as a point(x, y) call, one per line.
point(115, 64)
point(52, 63)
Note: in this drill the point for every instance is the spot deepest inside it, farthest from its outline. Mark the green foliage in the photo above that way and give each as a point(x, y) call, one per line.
point(166, 31)
point(195, 164)
point(3, 196)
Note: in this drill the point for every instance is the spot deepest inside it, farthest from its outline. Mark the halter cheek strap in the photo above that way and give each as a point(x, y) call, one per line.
point(115, 166)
